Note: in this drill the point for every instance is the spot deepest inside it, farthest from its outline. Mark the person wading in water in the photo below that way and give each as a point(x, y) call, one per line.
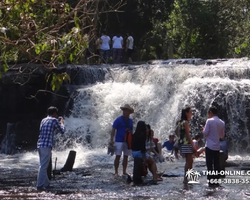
point(186, 142)
point(214, 131)
point(48, 127)
point(119, 128)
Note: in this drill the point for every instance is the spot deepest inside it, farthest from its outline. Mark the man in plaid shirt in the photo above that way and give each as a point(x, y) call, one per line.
point(48, 127)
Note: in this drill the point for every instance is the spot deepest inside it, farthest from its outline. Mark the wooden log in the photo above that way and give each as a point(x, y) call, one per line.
point(170, 50)
point(68, 166)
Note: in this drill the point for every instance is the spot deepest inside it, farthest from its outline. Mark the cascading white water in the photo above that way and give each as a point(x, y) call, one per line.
point(157, 93)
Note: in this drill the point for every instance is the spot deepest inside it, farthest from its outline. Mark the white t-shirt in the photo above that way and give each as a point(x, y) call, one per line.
point(214, 130)
point(131, 42)
point(117, 42)
point(105, 42)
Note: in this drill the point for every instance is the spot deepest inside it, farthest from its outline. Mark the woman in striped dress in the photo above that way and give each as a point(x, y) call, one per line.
point(187, 146)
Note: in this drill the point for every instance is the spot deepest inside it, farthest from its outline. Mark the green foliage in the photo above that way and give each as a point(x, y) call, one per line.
point(3, 69)
point(57, 80)
point(191, 28)
point(154, 43)
point(205, 29)
point(239, 49)
point(49, 32)
point(56, 32)
point(210, 29)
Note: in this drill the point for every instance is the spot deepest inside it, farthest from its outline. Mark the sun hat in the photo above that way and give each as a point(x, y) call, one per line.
point(127, 107)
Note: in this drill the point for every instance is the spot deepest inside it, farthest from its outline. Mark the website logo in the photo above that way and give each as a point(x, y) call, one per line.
point(193, 175)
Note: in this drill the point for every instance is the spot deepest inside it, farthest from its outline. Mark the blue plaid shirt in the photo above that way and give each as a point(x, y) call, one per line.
point(47, 128)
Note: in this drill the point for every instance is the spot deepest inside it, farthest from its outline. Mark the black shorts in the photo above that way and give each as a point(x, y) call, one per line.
point(97, 52)
point(87, 53)
point(129, 52)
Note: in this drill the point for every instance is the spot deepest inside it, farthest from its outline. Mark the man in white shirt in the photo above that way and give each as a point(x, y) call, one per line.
point(213, 131)
point(117, 48)
point(105, 47)
point(129, 47)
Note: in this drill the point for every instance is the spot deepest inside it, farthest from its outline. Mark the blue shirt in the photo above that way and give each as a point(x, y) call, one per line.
point(121, 124)
point(47, 128)
point(168, 145)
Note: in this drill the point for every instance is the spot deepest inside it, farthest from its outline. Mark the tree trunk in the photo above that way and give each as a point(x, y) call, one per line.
point(70, 162)
point(170, 50)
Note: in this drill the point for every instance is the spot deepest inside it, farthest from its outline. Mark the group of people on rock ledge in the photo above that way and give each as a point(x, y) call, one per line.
point(107, 48)
point(142, 142)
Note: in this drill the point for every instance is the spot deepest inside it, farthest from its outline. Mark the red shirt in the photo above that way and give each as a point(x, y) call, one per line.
point(155, 140)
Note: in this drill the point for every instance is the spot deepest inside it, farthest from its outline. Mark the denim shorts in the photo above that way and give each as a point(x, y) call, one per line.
point(138, 154)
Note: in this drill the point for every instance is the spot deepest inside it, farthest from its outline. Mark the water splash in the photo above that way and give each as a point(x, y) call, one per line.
point(158, 92)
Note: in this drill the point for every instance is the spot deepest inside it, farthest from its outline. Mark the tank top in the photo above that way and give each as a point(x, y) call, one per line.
point(183, 137)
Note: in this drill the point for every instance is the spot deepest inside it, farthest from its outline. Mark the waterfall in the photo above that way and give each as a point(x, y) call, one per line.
point(157, 93)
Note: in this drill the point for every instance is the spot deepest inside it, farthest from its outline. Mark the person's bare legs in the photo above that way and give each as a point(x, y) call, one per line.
point(152, 168)
point(159, 148)
point(176, 151)
point(160, 151)
point(125, 164)
point(116, 164)
point(188, 165)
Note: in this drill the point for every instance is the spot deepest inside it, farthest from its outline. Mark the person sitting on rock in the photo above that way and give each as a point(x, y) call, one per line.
point(157, 143)
point(150, 145)
point(139, 149)
point(196, 145)
point(169, 144)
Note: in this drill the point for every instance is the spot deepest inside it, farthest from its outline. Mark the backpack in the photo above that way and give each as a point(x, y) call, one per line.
point(128, 135)
point(128, 138)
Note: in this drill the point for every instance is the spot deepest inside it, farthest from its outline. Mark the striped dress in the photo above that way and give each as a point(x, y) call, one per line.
point(186, 147)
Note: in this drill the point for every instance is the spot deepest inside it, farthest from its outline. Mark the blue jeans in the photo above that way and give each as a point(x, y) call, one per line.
point(44, 158)
point(138, 154)
point(105, 55)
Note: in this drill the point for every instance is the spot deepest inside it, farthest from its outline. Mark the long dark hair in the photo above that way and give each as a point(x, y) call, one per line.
point(140, 129)
point(148, 137)
point(184, 112)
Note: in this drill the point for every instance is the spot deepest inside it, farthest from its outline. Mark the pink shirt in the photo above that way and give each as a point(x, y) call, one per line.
point(214, 130)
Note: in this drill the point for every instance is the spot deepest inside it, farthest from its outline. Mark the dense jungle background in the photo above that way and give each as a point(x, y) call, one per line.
point(59, 31)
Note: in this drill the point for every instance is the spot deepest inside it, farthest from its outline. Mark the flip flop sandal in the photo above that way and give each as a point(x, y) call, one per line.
point(159, 179)
point(160, 173)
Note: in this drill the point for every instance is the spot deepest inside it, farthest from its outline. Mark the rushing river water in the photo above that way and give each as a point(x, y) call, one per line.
point(93, 178)
point(157, 93)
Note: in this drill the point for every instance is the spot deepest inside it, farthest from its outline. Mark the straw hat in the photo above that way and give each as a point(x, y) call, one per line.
point(127, 107)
